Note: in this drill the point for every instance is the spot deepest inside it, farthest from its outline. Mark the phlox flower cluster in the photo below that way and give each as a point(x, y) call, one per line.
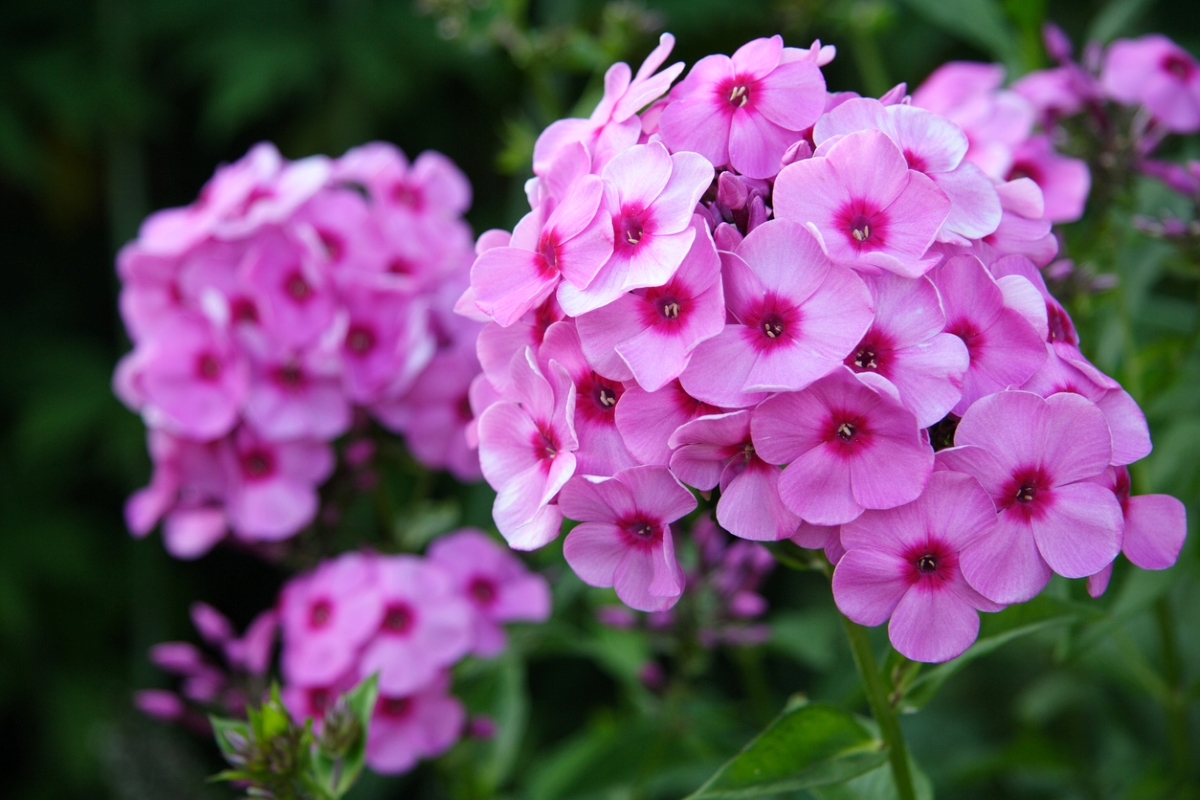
point(407, 619)
point(283, 307)
point(747, 285)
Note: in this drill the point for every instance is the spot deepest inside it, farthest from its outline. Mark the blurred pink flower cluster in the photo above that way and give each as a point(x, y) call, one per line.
point(795, 296)
point(405, 618)
point(290, 300)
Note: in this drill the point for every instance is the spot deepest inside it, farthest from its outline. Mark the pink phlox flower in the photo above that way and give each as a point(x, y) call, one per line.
point(1034, 457)
point(574, 242)
point(821, 537)
point(904, 563)
point(816, 53)
point(385, 340)
point(341, 229)
point(848, 444)
point(298, 395)
point(1059, 328)
point(527, 451)
point(480, 397)
point(1156, 73)
point(995, 120)
point(1066, 370)
point(613, 125)
point(497, 345)
point(1023, 229)
point(646, 420)
point(430, 188)
point(252, 652)
point(649, 334)
point(1155, 524)
point(601, 451)
point(1004, 348)
point(494, 582)
point(189, 378)
point(434, 413)
point(326, 616)
point(150, 289)
point(650, 196)
point(718, 451)
point(931, 144)
point(212, 625)
point(864, 204)
point(624, 537)
point(405, 728)
point(273, 485)
point(1065, 182)
point(907, 345)
point(795, 316)
point(313, 702)
point(1183, 178)
point(426, 625)
point(746, 110)
point(741, 571)
point(291, 291)
point(1057, 92)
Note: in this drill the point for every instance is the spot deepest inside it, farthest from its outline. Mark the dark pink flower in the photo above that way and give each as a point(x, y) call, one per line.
point(624, 539)
point(904, 563)
point(298, 395)
point(646, 420)
point(494, 582)
point(649, 335)
point(848, 446)
point(273, 485)
point(746, 110)
point(426, 625)
point(1035, 458)
point(386, 340)
point(327, 616)
point(1156, 73)
point(406, 728)
point(717, 450)
point(906, 344)
point(795, 317)
point(1004, 348)
point(864, 204)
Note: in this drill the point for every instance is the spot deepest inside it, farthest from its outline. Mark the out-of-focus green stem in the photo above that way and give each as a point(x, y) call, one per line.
point(1176, 699)
point(885, 715)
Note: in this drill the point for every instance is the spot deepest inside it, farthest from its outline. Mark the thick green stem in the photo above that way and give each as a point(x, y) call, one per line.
point(885, 715)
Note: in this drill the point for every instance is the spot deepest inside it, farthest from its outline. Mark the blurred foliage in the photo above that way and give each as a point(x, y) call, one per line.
point(111, 108)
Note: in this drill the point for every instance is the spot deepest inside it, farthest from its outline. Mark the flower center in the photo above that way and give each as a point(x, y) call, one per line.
point(332, 244)
point(861, 232)
point(290, 376)
point(395, 707)
point(549, 253)
point(297, 288)
point(545, 445)
point(866, 358)
point(927, 564)
point(630, 229)
point(1026, 493)
point(772, 326)
point(846, 431)
point(257, 464)
point(318, 700)
point(208, 367)
point(400, 266)
point(360, 340)
point(739, 96)
point(668, 307)
point(320, 614)
point(398, 618)
point(242, 310)
point(482, 591)
point(606, 396)
point(408, 196)
point(1178, 66)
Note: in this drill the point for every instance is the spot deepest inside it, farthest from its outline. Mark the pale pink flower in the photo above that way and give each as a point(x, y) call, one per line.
point(907, 345)
point(1065, 182)
point(864, 204)
point(527, 451)
point(650, 196)
point(385, 340)
point(1155, 524)
point(646, 420)
point(746, 110)
point(273, 485)
point(1158, 74)
point(624, 539)
point(795, 317)
point(297, 395)
point(1035, 458)
point(494, 582)
point(426, 625)
point(848, 446)
point(649, 334)
point(904, 563)
point(718, 450)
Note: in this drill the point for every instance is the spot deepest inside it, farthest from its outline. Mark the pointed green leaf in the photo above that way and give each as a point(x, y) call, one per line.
point(806, 746)
point(221, 729)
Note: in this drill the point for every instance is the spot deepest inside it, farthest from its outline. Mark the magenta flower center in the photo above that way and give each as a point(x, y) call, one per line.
point(242, 310)
point(1028, 492)
point(1178, 66)
point(395, 708)
point(360, 340)
point(545, 445)
point(933, 559)
point(398, 618)
point(320, 614)
point(629, 227)
point(400, 266)
point(547, 255)
point(410, 196)
point(1025, 169)
point(482, 590)
point(1060, 324)
point(914, 161)
point(846, 432)
point(318, 700)
point(208, 367)
point(864, 225)
point(971, 336)
point(738, 92)
point(289, 376)
point(927, 564)
point(603, 395)
point(640, 531)
point(297, 288)
point(257, 464)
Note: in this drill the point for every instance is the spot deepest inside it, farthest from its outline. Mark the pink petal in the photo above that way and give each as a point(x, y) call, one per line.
point(657, 492)
point(1077, 444)
point(1155, 527)
point(1130, 434)
point(1080, 529)
point(932, 623)
point(640, 174)
point(508, 282)
point(594, 499)
point(792, 96)
point(751, 508)
point(868, 584)
point(190, 533)
point(817, 487)
point(1005, 565)
point(634, 577)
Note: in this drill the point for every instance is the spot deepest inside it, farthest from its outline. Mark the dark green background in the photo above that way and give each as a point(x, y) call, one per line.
point(113, 108)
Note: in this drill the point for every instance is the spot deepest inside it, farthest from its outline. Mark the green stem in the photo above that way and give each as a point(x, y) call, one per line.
point(885, 715)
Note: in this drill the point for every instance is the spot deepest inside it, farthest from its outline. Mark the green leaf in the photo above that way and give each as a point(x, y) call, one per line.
point(806, 746)
point(336, 772)
point(979, 22)
point(996, 630)
point(1116, 18)
point(878, 784)
point(222, 728)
